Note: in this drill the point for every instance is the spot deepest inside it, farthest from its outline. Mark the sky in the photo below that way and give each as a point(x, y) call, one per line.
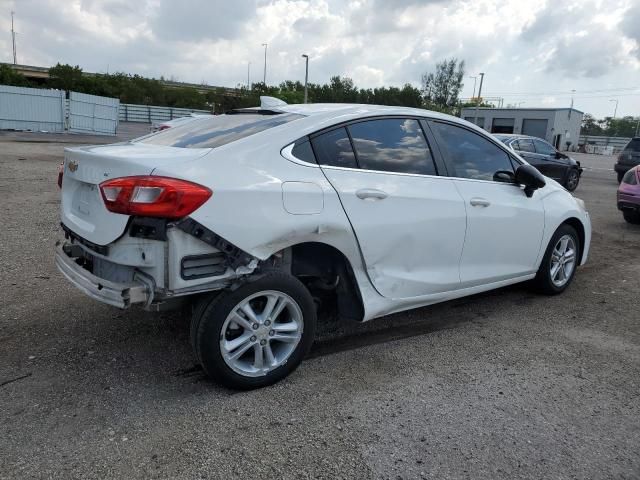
point(531, 51)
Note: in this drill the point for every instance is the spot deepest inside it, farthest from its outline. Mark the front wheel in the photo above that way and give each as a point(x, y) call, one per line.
point(573, 178)
point(255, 335)
point(560, 261)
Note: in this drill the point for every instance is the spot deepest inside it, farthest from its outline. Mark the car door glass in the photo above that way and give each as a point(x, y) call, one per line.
point(543, 148)
point(392, 145)
point(471, 155)
point(333, 148)
point(302, 151)
point(515, 145)
point(526, 145)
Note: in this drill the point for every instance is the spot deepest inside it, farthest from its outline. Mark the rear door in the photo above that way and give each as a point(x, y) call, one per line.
point(410, 222)
point(504, 226)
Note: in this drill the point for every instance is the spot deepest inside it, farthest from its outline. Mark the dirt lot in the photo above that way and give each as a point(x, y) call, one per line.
point(500, 385)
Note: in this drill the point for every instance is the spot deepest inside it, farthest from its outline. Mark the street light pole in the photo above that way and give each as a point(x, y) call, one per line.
point(264, 78)
point(248, 75)
point(13, 39)
point(306, 75)
point(615, 110)
point(475, 117)
point(474, 84)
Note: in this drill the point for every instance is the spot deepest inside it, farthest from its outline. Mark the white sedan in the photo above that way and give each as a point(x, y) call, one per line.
point(261, 217)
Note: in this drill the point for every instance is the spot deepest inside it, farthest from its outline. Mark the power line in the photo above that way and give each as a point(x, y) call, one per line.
point(533, 94)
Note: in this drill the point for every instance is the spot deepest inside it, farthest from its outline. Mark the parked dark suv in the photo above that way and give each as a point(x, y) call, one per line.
point(542, 155)
point(628, 158)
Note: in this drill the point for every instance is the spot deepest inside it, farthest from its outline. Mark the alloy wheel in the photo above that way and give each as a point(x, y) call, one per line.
point(261, 333)
point(563, 260)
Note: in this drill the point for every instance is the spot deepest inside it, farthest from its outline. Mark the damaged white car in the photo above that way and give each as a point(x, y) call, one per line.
point(263, 216)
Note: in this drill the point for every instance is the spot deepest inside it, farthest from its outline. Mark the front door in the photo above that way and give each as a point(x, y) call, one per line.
point(410, 223)
point(504, 226)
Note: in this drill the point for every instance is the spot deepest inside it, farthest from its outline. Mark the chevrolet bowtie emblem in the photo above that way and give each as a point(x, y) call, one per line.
point(73, 166)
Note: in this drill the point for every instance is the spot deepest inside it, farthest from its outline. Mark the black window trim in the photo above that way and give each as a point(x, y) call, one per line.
point(439, 164)
point(515, 162)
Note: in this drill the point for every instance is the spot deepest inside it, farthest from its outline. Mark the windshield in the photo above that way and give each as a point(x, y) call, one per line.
point(215, 131)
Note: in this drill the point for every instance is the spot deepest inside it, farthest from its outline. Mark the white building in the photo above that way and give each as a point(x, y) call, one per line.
point(556, 125)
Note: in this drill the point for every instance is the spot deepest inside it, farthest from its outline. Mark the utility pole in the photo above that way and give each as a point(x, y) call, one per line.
point(475, 117)
point(615, 110)
point(474, 84)
point(248, 75)
point(306, 75)
point(13, 38)
point(264, 78)
point(571, 107)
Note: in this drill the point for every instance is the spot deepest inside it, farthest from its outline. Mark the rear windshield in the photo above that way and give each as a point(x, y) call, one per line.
point(215, 131)
point(633, 146)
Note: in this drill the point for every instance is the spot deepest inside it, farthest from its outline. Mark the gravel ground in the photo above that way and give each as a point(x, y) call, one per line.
point(500, 385)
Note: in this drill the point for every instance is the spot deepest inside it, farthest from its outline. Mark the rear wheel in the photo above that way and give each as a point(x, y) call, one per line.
point(631, 217)
point(573, 178)
point(560, 261)
point(257, 334)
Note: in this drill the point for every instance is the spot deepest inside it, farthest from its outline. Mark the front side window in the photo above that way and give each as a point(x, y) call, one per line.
point(543, 148)
point(215, 131)
point(333, 148)
point(471, 155)
point(392, 145)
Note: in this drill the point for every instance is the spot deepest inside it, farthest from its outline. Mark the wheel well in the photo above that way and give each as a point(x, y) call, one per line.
point(328, 275)
point(577, 225)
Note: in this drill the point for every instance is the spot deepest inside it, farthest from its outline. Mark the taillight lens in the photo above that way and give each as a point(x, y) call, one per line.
point(150, 196)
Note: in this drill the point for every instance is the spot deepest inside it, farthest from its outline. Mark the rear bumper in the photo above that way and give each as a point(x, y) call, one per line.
point(121, 295)
point(628, 206)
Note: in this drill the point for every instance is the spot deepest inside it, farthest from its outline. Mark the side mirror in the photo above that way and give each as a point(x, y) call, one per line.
point(530, 177)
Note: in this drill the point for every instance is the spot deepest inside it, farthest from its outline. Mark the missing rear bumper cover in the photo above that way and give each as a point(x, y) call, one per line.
point(235, 257)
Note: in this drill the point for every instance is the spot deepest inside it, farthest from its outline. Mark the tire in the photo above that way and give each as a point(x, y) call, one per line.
point(235, 323)
point(572, 180)
point(545, 281)
point(631, 217)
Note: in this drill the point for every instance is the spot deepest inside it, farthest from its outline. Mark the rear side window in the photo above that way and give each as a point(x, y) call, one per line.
point(334, 148)
point(392, 145)
point(471, 155)
point(543, 147)
point(633, 146)
point(302, 151)
point(526, 145)
point(630, 177)
point(215, 131)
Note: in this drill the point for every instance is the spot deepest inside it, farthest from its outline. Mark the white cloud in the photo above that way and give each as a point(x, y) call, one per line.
point(525, 46)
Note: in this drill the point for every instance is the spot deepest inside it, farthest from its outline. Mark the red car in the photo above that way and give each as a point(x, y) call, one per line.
point(629, 195)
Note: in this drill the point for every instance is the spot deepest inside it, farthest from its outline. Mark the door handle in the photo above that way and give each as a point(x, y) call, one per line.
point(479, 202)
point(371, 193)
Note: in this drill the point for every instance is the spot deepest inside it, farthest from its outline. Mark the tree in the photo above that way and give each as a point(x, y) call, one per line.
point(8, 76)
point(441, 89)
point(65, 77)
point(590, 126)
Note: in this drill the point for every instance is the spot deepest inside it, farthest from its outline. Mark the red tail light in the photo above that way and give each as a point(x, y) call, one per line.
point(150, 196)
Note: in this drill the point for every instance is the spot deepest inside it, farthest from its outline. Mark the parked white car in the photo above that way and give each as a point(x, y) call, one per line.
point(262, 216)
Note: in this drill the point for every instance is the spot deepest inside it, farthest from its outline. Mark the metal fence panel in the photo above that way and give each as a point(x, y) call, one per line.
point(618, 143)
point(32, 109)
point(130, 112)
point(93, 114)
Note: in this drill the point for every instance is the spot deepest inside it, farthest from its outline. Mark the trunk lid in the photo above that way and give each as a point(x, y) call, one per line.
point(82, 207)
